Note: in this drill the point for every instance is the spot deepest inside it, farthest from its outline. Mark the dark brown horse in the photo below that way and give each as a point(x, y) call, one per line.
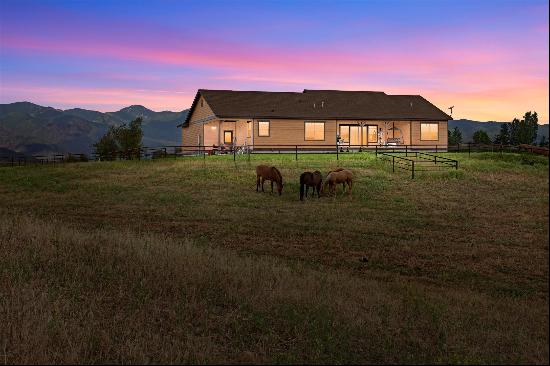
point(309, 179)
point(264, 172)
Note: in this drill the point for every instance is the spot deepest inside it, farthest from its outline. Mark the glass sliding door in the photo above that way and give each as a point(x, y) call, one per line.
point(354, 135)
point(372, 134)
point(344, 134)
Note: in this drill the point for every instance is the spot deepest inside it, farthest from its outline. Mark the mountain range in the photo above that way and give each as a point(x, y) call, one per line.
point(468, 127)
point(32, 129)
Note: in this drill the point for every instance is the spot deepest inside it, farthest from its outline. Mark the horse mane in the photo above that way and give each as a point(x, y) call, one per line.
point(277, 173)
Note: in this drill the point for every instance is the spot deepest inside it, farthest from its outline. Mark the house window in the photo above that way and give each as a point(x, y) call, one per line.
point(429, 131)
point(314, 131)
point(248, 129)
point(227, 137)
point(263, 128)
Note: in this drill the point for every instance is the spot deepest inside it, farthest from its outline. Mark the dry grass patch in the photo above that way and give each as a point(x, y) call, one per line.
point(182, 261)
point(113, 297)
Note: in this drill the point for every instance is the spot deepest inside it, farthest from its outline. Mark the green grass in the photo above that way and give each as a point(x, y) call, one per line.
point(182, 261)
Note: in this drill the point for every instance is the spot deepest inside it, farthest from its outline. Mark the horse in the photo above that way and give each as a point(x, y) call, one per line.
point(339, 175)
point(269, 173)
point(309, 179)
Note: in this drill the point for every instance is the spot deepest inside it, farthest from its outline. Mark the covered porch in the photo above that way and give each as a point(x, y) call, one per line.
point(226, 134)
point(370, 134)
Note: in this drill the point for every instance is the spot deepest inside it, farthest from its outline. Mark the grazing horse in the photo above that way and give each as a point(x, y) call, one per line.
point(264, 173)
point(309, 179)
point(339, 175)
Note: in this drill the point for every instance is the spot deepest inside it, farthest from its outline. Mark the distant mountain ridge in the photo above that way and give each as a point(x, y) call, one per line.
point(469, 127)
point(33, 129)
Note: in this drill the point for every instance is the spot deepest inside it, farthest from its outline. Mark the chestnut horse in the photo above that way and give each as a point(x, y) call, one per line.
point(264, 173)
point(309, 179)
point(339, 175)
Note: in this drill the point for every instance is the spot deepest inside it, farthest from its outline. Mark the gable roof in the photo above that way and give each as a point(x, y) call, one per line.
point(318, 104)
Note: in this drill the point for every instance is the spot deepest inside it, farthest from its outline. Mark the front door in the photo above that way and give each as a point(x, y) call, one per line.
point(228, 137)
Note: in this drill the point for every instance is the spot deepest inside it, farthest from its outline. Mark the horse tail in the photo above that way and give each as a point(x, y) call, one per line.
point(302, 184)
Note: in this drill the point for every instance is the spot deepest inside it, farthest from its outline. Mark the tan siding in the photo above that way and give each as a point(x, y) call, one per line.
point(192, 134)
point(201, 112)
point(292, 132)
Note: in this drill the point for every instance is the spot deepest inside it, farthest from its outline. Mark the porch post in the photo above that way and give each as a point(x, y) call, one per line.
point(220, 133)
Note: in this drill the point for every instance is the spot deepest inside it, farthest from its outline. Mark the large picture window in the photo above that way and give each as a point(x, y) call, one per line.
point(314, 131)
point(429, 131)
point(263, 128)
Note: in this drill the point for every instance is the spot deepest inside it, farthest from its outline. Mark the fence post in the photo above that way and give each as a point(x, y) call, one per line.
point(406, 151)
point(296, 152)
point(376, 150)
point(393, 164)
point(203, 151)
point(337, 152)
point(413, 169)
point(458, 147)
point(234, 153)
point(456, 164)
point(436, 148)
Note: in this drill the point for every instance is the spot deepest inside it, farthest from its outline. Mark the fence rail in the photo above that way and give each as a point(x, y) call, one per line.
point(175, 151)
point(417, 161)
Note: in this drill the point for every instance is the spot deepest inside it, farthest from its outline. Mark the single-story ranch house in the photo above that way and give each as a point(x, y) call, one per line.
point(314, 118)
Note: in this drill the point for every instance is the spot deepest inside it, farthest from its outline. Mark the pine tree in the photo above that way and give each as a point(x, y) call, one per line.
point(504, 136)
point(481, 137)
point(524, 131)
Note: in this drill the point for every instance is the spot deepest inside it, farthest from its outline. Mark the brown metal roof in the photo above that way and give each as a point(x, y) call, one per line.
point(318, 104)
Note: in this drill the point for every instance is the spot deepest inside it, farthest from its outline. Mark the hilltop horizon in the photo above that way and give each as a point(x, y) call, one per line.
point(122, 108)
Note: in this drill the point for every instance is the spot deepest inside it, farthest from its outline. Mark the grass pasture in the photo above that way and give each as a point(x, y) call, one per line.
point(173, 261)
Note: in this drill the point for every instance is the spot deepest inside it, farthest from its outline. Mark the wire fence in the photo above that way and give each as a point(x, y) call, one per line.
point(181, 151)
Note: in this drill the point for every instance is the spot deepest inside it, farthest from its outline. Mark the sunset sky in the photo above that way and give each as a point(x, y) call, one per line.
point(487, 58)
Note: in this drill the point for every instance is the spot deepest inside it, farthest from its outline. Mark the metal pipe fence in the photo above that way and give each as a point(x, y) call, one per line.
point(417, 161)
point(177, 151)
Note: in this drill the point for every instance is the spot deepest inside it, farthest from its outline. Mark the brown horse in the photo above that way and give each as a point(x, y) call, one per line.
point(309, 179)
point(339, 175)
point(272, 174)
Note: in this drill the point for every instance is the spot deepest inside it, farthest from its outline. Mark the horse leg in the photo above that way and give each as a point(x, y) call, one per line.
point(307, 189)
point(263, 180)
point(318, 188)
point(271, 186)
